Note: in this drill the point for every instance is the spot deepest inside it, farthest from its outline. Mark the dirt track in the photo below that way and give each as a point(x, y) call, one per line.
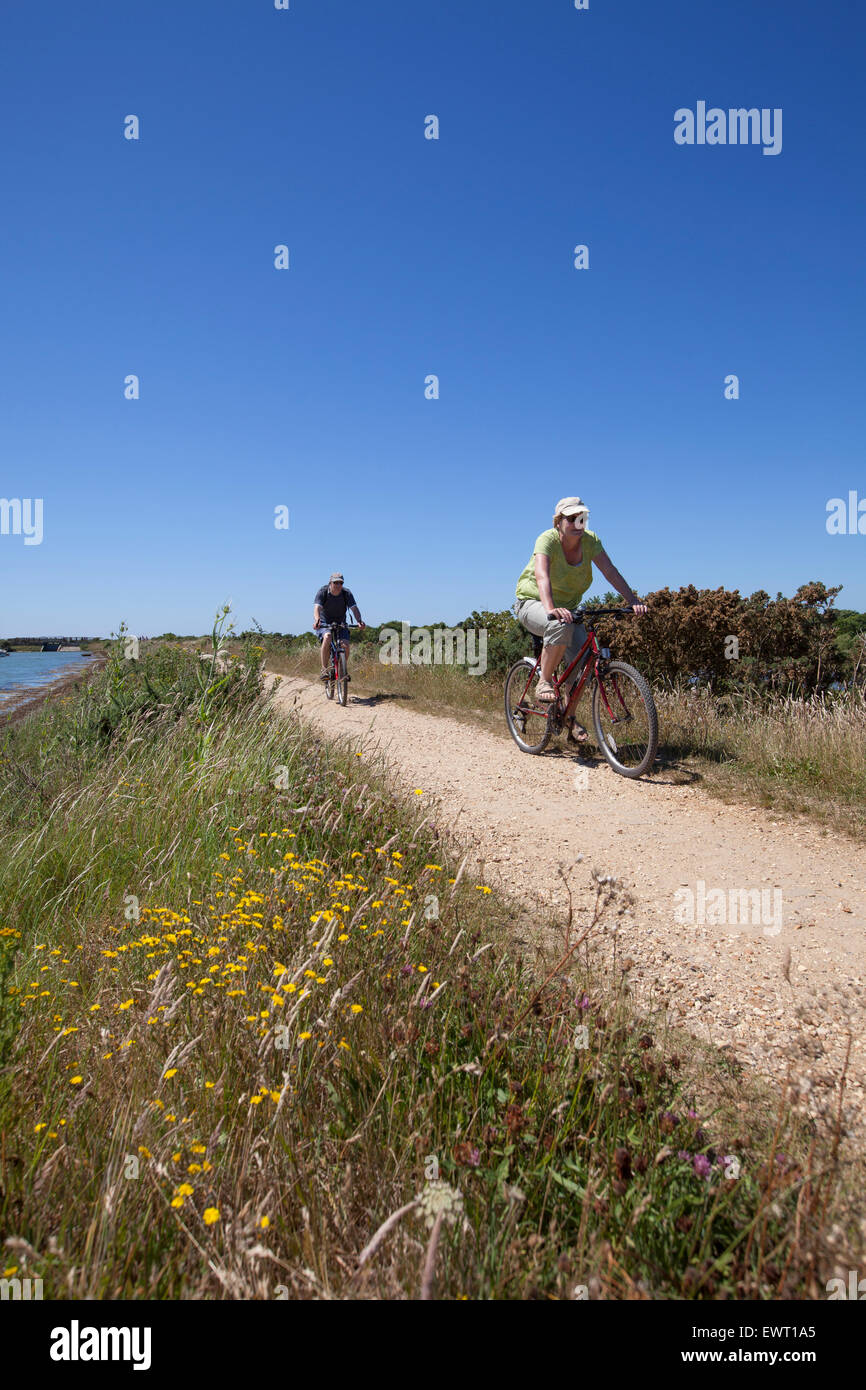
point(771, 998)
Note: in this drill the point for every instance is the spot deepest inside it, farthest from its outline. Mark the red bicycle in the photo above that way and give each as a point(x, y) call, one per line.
point(623, 710)
point(338, 676)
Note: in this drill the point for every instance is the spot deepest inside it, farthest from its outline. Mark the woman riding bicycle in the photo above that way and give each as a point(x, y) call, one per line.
point(557, 576)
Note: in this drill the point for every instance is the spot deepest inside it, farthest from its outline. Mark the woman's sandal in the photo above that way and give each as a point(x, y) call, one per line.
point(579, 738)
point(545, 693)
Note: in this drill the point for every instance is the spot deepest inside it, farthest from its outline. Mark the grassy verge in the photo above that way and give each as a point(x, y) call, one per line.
point(261, 1038)
point(800, 757)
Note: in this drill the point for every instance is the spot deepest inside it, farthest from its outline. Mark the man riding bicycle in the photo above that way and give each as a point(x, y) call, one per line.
point(330, 606)
point(558, 574)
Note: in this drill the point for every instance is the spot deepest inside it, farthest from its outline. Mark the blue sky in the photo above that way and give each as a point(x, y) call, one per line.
point(305, 388)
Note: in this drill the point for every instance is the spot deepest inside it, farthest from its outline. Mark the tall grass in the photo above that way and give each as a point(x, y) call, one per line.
point(805, 756)
point(268, 1040)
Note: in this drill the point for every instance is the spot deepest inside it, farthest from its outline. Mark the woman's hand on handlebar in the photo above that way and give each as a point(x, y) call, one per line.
point(562, 615)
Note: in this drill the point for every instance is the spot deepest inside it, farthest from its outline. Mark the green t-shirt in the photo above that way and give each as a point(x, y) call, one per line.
point(568, 583)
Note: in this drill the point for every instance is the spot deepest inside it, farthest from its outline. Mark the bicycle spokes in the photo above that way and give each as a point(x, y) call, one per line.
point(624, 721)
point(528, 721)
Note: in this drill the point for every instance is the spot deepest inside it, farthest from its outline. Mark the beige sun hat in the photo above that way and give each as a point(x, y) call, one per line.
point(570, 506)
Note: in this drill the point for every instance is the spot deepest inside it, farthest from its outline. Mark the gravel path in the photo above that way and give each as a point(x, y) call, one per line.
point(773, 994)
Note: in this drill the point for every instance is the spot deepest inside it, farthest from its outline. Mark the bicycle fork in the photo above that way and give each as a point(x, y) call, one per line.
point(627, 715)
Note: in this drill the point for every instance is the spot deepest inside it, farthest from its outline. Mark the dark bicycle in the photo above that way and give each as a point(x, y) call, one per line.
point(623, 710)
point(337, 668)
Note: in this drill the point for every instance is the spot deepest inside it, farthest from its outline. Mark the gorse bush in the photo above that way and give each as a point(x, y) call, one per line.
point(731, 643)
point(271, 1041)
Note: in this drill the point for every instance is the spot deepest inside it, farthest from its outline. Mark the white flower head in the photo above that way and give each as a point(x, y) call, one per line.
point(439, 1196)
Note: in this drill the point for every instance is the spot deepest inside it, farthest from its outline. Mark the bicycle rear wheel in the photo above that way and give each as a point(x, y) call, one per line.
point(342, 680)
point(529, 727)
point(329, 683)
point(625, 719)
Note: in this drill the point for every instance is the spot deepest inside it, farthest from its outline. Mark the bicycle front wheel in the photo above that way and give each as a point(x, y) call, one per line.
point(625, 719)
point(528, 723)
point(342, 680)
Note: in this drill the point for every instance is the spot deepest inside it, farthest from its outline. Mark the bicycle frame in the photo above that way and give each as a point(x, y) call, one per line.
point(593, 668)
point(338, 643)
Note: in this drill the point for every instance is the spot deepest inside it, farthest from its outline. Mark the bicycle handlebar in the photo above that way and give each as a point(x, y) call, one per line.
point(579, 614)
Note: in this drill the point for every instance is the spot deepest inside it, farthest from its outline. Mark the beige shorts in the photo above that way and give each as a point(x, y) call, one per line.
point(532, 615)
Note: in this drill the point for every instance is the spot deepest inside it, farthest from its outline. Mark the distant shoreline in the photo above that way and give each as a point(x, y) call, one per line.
point(28, 700)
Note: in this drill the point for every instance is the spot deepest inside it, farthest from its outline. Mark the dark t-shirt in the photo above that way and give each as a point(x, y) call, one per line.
point(334, 606)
